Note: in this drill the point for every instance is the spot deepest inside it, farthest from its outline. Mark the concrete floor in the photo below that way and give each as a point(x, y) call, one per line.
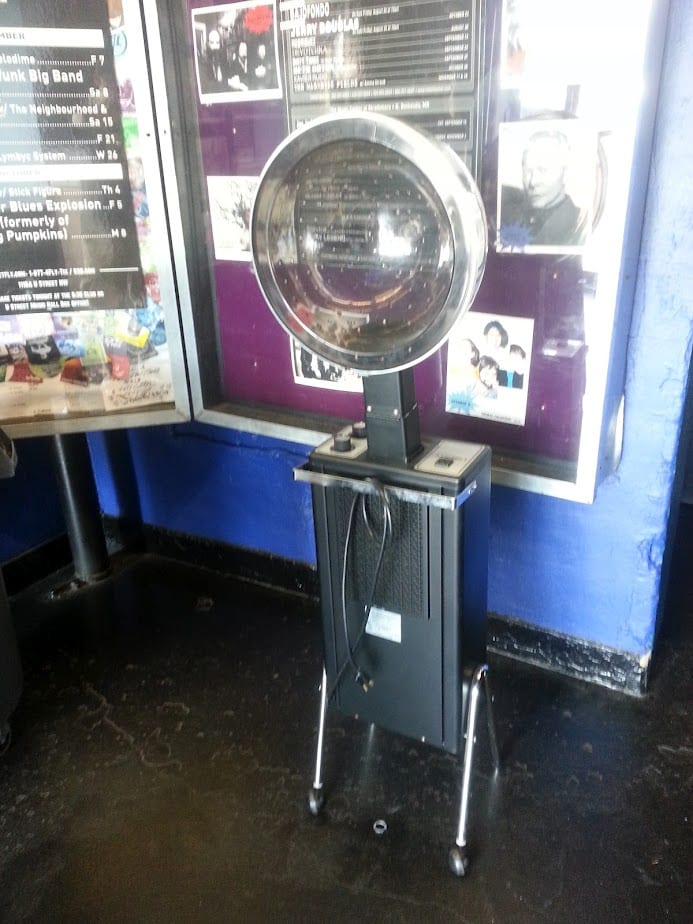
point(163, 750)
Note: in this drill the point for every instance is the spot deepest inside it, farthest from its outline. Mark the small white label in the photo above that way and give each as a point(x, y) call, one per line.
point(450, 457)
point(384, 624)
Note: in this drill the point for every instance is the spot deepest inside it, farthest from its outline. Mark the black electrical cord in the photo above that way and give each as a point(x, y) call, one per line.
point(360, 676)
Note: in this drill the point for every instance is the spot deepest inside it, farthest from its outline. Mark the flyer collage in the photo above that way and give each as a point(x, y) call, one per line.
point(82, 325)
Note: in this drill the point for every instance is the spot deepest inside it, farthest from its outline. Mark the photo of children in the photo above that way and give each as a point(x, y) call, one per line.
point(489, 366)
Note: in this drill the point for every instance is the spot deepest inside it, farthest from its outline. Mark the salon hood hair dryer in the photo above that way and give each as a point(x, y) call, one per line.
point(369, 241)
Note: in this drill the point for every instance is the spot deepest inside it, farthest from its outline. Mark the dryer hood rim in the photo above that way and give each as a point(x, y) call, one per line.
point(456, 191)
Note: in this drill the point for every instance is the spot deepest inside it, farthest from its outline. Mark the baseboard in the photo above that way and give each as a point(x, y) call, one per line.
point(247, 564)
point(36, 564)
point(565, 654)
point(573, 657)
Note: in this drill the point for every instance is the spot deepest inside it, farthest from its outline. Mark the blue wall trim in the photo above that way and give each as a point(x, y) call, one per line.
point(234, 487)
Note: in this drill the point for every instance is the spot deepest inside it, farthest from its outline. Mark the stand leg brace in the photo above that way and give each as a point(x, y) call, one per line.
point(459, 858)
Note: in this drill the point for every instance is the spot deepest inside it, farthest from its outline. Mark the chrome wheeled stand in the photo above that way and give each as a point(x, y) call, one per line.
point(458, 857)
point(316, 796)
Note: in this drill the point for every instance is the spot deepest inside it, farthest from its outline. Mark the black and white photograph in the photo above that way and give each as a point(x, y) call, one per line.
point(310, 369)
point(230, 205)
point(547, 177)
point(236, 52)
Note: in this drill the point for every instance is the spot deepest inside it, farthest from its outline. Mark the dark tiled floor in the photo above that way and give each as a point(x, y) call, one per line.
point(164, 748)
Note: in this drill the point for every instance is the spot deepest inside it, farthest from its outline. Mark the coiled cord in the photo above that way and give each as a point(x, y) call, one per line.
point(360, 676)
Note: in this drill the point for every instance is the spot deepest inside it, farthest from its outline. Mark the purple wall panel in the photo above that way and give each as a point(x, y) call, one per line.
point(256, 352)
point(237, 139)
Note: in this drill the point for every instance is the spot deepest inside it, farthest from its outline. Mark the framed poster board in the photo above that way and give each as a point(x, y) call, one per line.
point(558, 142)
point(89, 324)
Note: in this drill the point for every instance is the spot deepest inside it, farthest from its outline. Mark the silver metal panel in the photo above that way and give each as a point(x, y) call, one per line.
point(154, 417)
point(158, 129)
point(450, 457)
point(364, 486)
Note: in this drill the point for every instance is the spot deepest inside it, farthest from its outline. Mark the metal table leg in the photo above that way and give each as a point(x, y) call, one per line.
point(459, 855)
point(316, 796)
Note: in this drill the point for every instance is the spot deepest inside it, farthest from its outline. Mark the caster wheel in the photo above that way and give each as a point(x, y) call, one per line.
point(5, 738)
point(458, 859)
point(316, 800)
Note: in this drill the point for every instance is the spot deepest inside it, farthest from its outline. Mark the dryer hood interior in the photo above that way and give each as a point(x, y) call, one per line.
point(369, 240)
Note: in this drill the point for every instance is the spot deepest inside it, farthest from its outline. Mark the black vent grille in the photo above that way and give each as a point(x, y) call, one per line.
point(402, 584)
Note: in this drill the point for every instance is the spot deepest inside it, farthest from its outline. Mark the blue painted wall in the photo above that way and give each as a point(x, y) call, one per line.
point(593, 572)
point(209, 481)
point(30, 511)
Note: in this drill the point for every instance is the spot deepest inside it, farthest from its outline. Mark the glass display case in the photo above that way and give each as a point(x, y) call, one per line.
point(89, 322)
point(550, 108)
